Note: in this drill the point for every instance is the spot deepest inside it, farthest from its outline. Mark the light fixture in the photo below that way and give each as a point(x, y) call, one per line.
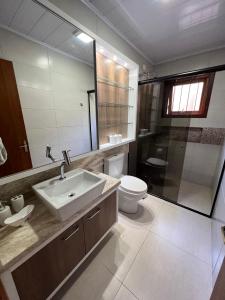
point(101, 50)
point(84, 37)
point(115, 58)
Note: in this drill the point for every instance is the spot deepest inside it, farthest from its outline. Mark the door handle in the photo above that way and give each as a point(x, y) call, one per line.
point(72, 234)
point(94, 214)
point(25, 146)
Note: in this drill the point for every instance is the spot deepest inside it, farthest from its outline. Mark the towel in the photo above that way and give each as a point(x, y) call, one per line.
point(3, 153)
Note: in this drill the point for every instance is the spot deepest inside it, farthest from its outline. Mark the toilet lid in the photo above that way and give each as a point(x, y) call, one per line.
point(157, 161)
point(133, 184)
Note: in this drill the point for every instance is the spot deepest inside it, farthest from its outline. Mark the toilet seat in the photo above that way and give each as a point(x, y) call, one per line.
point(133, 185)
point(157, 162)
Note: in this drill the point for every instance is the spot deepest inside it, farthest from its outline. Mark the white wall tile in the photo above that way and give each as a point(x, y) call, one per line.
point(52, 88)
point(35, 98)
point(21, 50)
point(39, 158)
point(66, 118)
point(42, 137)
point(33, 77)
point(39, 118)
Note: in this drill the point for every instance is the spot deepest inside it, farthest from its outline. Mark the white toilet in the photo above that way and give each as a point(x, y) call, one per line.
point(131, 189)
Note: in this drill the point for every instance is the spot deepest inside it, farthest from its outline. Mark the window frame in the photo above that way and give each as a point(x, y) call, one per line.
point(207, 79)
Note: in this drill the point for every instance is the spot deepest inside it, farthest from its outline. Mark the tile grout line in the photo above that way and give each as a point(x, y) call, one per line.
point(151, 230)
point(122, 281)
point(180, 248)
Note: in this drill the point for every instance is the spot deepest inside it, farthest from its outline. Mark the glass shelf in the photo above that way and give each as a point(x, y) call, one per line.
point(114, 124)
point(107, 104)
point(113, 83)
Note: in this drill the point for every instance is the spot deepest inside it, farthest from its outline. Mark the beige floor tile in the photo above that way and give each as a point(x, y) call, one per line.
point(148, 212)
point(185, 229)
point(196, 196)
point(119, 252)
point(125, 294)
point(95, 283)
point(163, 271)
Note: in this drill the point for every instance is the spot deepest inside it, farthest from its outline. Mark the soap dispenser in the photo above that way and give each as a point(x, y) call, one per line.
point(5, 212)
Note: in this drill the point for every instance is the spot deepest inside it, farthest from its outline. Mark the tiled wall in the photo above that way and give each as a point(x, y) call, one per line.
point(93, 162)
point(53, 94)
point(200, 164)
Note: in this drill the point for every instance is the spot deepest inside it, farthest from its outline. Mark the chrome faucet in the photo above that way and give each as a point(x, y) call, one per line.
point(65, 162)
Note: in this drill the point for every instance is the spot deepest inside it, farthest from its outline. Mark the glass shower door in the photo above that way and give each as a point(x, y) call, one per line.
point(161, 144)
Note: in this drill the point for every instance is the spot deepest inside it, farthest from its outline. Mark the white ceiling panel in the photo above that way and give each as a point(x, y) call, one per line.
point(63, 33)
point(166, 29)
point(8, 10)
point(26, 16)
point(104, 6)
point(46, 25)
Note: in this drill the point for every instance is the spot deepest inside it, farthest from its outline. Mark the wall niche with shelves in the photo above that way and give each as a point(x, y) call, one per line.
point(117, 79)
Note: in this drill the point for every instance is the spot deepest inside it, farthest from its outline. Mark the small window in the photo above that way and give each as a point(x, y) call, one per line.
point(188, 97)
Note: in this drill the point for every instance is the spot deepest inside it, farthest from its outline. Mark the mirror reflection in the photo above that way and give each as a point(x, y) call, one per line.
point(46, 73)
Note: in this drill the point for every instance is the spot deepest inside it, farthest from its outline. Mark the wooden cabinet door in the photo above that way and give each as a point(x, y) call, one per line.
point(99, 220)
point(38, 277)
point(3, 295)
point(219, 288)
point(72, 247)
point(12, 128)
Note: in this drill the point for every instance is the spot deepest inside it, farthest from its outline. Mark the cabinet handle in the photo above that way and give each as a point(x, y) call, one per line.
point(95, 214)
point(69, 236)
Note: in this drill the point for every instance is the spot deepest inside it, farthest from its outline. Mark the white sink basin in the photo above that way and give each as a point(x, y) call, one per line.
point(66, 197)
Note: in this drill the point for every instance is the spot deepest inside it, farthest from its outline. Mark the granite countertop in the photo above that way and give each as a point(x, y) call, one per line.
point(15, 243)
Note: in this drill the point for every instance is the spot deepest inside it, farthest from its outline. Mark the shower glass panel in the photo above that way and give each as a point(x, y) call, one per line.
point(161, 145)
point(180, 142)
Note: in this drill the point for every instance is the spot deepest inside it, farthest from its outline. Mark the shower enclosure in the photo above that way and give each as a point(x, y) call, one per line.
point(180, 137)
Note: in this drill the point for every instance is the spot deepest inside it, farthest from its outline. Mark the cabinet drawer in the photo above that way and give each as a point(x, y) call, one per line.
point(37, 278)
point(72, 247)
point(99, 220)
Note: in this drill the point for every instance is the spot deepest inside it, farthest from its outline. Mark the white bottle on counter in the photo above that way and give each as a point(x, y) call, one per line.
point(5, 212)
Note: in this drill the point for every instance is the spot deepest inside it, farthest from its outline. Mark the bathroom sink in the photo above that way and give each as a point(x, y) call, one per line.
point(66, 197)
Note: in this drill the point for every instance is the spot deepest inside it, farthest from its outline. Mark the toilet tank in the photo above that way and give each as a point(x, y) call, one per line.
point(114, 165)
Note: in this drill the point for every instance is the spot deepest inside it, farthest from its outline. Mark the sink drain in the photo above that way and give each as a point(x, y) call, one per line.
point(71, 195)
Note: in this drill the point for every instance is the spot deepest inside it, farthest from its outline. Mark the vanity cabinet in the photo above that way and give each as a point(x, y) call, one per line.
point(99, 220)
point(43, 272)
point(40, 275)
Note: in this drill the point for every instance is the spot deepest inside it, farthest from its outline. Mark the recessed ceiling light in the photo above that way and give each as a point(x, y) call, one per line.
point(115, 58)
point(101, 50)
point(84, 37)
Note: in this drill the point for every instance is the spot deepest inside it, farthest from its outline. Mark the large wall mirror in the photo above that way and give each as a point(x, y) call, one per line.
point(46, 73)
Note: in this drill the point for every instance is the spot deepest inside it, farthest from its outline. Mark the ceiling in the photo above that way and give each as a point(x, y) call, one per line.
point(34, 21)
point(163, 30)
